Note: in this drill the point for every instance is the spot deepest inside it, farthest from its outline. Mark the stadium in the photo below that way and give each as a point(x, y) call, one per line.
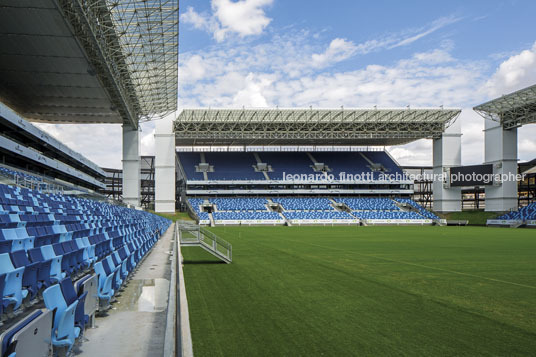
point(250, 231)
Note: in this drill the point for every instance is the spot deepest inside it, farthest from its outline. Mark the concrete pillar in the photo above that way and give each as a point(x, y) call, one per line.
point(501, 151)
point(131, 165)
point(447, 153)
point(164, 141)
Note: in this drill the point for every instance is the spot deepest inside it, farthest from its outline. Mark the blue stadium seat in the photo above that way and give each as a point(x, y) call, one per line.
point(106, 290)
point(64, 331)
point(13, 292)
point(70, 295)
point(31, 270)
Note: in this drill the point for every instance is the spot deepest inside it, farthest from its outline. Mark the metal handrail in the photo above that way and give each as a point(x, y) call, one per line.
point(205, 238)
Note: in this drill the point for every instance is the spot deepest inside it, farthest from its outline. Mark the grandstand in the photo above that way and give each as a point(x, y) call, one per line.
point(77, 246)
point(64, 258)
point(299, 183)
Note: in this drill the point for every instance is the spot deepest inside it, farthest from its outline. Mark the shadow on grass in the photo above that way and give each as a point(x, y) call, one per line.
point(203, 262)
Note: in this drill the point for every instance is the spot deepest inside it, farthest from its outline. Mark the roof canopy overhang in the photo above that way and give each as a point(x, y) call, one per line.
point(511, 110)
point(367, 127)
point(98, 61)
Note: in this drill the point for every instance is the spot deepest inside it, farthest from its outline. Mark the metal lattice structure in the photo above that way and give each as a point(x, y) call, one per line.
point(310, 126)
point(512, 110)
point(133, 45)
point(89, 61)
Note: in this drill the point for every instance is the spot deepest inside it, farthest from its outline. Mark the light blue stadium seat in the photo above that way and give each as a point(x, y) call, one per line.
point(64, 332)
point(13, 293)
point(105, 291)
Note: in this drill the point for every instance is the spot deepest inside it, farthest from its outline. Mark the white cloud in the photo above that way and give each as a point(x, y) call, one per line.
point(517, 72)
point(251, 95)
point(243, 18)
point(338, 50)
point(192, 69)
point(101, 143)
point(433, 27)
point(281, 72)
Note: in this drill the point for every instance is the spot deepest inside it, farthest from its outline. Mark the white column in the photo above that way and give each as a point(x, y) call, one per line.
point(447, 153)
point(131, 165)
point(164, 141)
point(501, 151)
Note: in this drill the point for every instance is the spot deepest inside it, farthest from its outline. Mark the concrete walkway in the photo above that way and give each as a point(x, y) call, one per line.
point(135, 326)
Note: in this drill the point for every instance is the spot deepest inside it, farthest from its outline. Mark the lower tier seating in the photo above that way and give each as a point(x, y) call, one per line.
point(47, 242)
point(311, 208)
point(527, 213)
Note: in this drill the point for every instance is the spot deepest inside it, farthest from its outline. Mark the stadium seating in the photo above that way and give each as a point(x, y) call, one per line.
point(381, 157)
point(302, 203)
point(360, 204)
point(239, 204)
point(239, 165)
point(287, 162)
point(7, 172)
point(233, 166)
point(317, 215)
point(245, 215)
point(312, 208)
point(188, 162)
point(338, 162)
point(47, 241)
point(422, 211)
point(524, 214)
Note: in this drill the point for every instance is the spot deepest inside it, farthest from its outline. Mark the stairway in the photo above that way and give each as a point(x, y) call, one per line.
point(195, 236)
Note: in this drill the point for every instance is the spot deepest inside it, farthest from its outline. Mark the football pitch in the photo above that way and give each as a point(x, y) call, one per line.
point(338, 291)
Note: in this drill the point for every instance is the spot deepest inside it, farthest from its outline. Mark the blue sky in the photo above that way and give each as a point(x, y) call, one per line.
point(267, 53)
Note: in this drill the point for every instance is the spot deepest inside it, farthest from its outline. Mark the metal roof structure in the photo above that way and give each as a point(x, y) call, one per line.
point(89, 61)
point(511, 110)
point(310, 126)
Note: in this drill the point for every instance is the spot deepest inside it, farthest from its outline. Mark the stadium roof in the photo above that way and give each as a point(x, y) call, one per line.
point(310, 126)
point(98, 61)
point(511, 110)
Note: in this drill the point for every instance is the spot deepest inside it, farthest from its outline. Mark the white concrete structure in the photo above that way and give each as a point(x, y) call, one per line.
point(164, 141)
point(503, 116)
point(501, 151)
point(131, 165)
point(447, 153)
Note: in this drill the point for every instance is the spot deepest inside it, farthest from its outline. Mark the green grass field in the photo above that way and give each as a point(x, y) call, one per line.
point(338, 291)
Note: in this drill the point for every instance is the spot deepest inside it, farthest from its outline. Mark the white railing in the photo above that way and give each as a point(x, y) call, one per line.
point(192, 235)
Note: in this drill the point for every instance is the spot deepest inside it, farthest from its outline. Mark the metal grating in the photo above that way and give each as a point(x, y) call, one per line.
point(133, 46)
point(511, 110)
point(308, 126)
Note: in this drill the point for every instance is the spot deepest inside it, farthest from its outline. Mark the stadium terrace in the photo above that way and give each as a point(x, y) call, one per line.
point(254, 231)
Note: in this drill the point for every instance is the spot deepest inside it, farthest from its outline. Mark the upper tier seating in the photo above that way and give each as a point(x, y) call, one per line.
point(233, 166)
point(302, 203)
point(381, 157)
point(4, 171)
point(347, 162)
point(239, 165)
point(189, 160)
point(47, 241)
point(525, 213)
point(287, 162)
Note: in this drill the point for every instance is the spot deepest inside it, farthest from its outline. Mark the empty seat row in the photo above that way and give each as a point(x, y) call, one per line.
point(41, 253)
